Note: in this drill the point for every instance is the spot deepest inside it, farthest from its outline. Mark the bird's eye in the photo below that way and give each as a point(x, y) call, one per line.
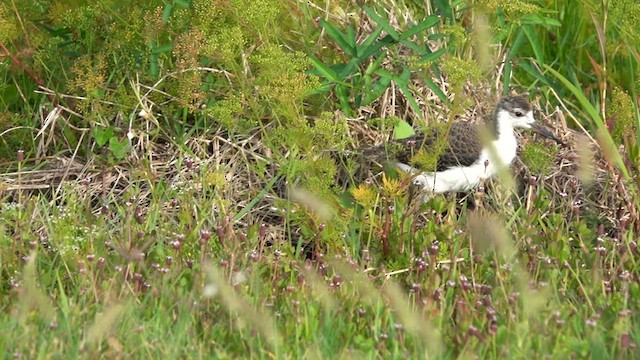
point(518, 113)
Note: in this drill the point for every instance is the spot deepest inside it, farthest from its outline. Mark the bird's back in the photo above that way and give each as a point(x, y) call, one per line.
point(454, 145)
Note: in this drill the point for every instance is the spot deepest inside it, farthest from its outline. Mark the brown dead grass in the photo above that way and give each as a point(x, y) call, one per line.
point(581, 177)
point(581, 180)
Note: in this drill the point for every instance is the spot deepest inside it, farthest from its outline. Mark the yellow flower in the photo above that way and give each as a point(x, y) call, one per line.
point(364, 195)
point(391, 187)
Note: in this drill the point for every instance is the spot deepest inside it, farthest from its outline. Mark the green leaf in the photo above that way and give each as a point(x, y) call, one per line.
point(384, 23)
point(402, 130)
point(445, 8)
point(324, 70)
point(321, 89)
point(386, 74)
point(433, 56)
point(154, 66)
point(119, 147)
point(349, 69)
point(534, 42)
point(166, 13)
point(403, 84)
point(162, 49)
point(70, 136)
point(339, 38)
point(436, 36)
point(436, 90)
point(365, 53)
point(500, 17)
point(535, 73)
point(378, 88)
point(427, 23)
point(415, 47)
point(343, 97)
point(351, 37)
point(375, 65)
point(102, 135)
point(405, 76)
point(506, 81)
point(517, 43)
point(363, 49)
point(183, 3)
point(536, 19)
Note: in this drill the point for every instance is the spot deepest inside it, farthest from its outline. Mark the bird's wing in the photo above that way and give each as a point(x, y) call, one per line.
point(458, 145)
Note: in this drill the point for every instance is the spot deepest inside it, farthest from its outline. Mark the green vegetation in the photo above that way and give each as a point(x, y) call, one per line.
point(182, 179)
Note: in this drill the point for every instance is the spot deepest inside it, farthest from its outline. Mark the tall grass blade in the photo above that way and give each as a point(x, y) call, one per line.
point(339, 38)
point(604, 138)
point(384, 23)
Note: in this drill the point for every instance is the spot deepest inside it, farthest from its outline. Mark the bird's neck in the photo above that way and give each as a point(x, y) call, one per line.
point(504, 142)
point(501, 125)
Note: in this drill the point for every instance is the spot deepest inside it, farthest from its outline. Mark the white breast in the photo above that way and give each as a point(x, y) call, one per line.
point(499, 154)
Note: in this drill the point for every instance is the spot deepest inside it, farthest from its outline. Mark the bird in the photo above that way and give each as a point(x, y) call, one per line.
point(466, 154)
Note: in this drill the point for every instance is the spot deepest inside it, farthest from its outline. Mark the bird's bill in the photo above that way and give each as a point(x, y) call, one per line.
point(546, 133)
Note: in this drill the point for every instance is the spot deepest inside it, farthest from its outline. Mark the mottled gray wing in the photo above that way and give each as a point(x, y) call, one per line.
point(463, 146)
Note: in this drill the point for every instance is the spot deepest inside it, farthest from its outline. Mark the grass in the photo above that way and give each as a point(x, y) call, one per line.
point(195, 191)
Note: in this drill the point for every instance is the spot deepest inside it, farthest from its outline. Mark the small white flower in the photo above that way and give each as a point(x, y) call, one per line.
point(210, 290)
point(238, 278)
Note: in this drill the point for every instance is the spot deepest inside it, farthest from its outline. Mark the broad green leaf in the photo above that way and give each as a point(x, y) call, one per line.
point(70, 136)
point(403, 130)
point(405, 76)
point(500, 18)
point(102, 135)
point(119, 148)
point(534, 42)
point(386, 74)
point(321, 89)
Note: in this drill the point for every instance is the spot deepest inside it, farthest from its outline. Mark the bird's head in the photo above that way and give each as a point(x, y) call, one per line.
point(517, 111)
